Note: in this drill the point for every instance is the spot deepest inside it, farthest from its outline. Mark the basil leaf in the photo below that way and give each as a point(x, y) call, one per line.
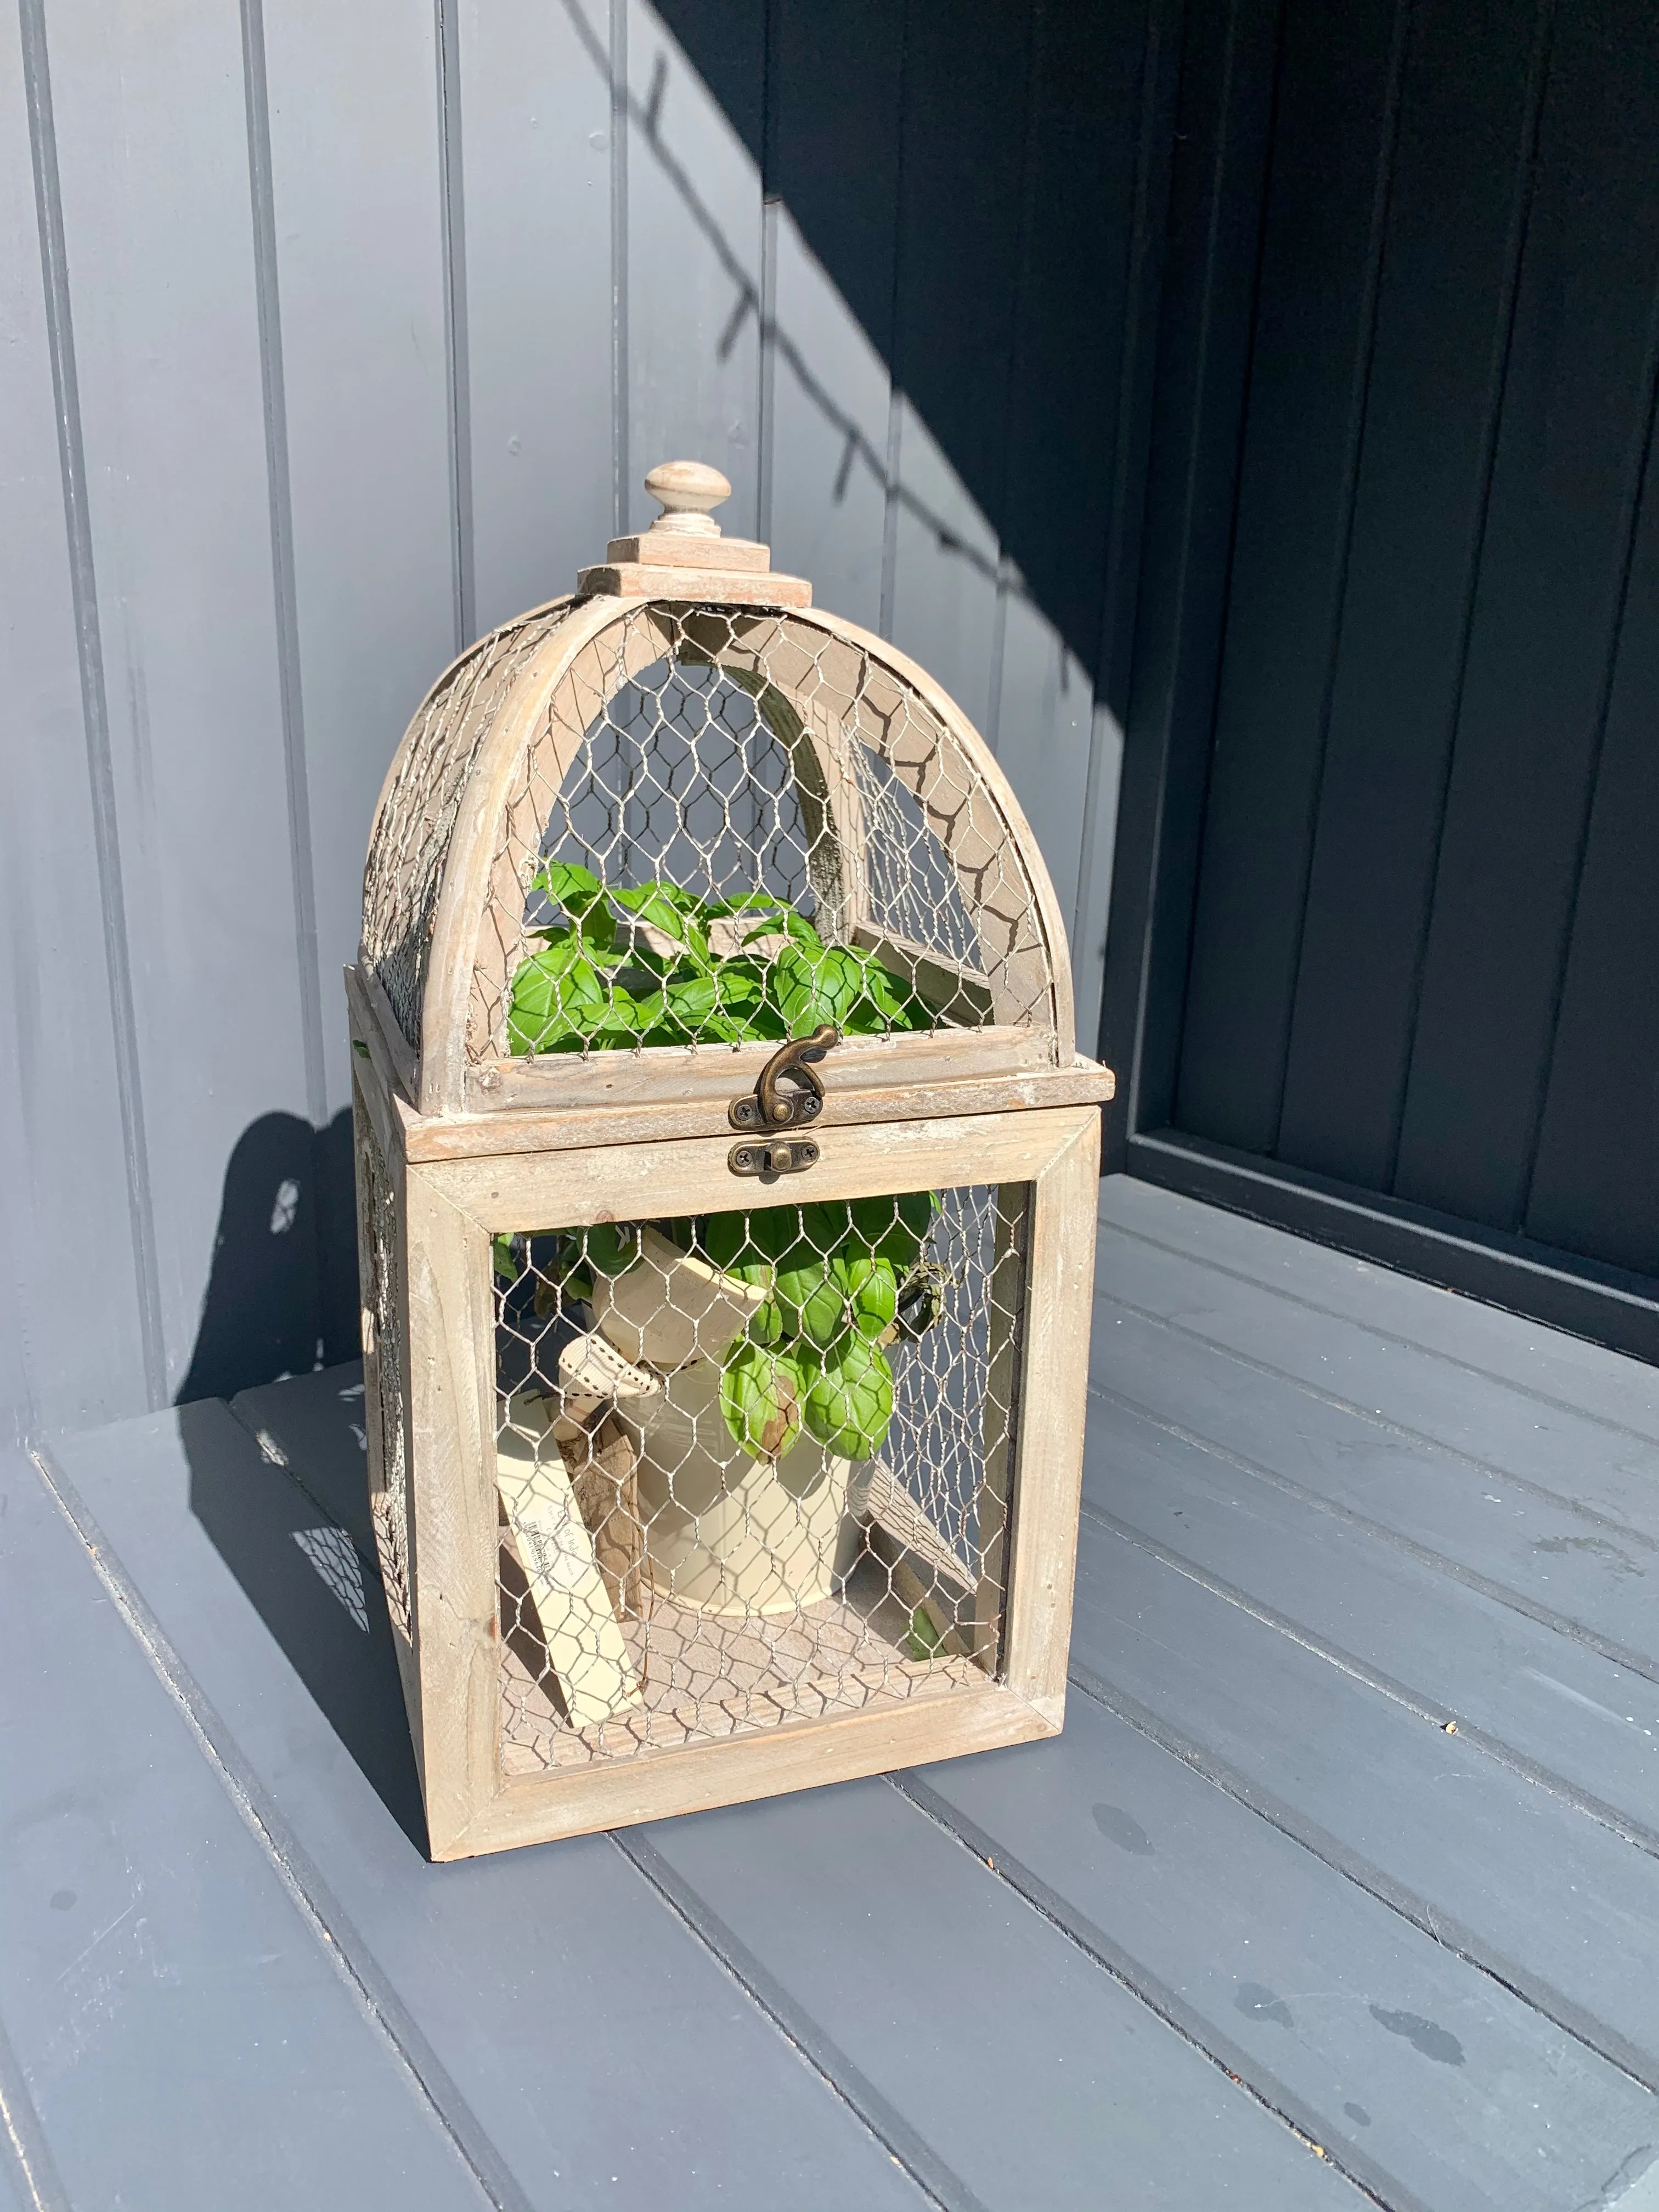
point(871, 1288)
point(760, 1398)
point(674, 912)
point(610, 1248)
point(558, 994)
point(575, 889)
point(811, 1303)
point(849, 1401)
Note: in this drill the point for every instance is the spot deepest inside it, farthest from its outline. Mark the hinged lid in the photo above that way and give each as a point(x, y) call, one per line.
point(636, 838)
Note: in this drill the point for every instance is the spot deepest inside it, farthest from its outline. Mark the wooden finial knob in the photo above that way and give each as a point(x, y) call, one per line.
point(687, 491)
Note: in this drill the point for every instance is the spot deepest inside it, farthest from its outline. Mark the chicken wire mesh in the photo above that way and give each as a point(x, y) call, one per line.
point(752, 1466)
point(410, 849)
point(731, 827)
point(706, 768)
point(386, 1406)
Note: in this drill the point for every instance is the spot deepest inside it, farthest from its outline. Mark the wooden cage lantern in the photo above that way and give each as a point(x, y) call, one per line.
point(726, 1193)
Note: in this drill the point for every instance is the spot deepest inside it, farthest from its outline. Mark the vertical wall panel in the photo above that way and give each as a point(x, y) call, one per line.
point(1074, 308)
point(830, 397)
point(694, 255)
point(17, 1397)
point(942, 603)
point(1595, 1188)
point(1576, 407)
point(963, 201)
point(1045, 727)
point(1333, 138)
point(358, 221)
point(153, 153)
point(70, 1278)
point(1456, 212)
point(1072, 490)
point(834, 85)
point(1211, 237)
point(536, 125)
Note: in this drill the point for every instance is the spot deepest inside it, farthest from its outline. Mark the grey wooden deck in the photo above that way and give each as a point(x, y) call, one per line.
point(1342, 1878)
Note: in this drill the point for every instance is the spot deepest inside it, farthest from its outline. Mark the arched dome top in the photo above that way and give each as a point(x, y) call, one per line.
point(634, 833)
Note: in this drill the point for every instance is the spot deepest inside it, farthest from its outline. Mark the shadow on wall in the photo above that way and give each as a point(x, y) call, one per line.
point(281, 1294)
point(974, 183)
point(926, 238)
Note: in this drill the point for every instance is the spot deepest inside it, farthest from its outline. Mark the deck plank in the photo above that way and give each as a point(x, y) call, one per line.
point(1572, 1454)
point(16, 2192)
point(1539, 1362)
point(1433, 2084)
point(1035, 2078)
point(593, 2039)
point(184, 2039)
point(1572, 1568)
point(1549, 1900)
point(1581, 1723)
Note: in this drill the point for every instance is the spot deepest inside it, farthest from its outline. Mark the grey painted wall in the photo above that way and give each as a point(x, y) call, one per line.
point(333, 336)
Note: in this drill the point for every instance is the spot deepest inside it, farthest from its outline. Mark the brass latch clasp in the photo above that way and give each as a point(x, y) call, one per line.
point(756, 1159)
point(775, 1110)
point(769, 1107)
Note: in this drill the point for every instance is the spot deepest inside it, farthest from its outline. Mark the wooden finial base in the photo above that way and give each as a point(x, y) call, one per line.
point(682, 556)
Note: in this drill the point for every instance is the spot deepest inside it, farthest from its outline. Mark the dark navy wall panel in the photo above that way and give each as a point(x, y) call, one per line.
point(834, 94)
point(1577, 402)
point(1334, 145)
point(1457, 202)
point(1416, 966)
point(1595, 1180)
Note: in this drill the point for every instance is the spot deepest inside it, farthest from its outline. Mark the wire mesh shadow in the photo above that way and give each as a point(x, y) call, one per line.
point(313, 1585)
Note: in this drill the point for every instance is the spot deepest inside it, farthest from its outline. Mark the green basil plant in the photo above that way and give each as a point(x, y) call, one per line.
point(841, 1281)
point(597, 983)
